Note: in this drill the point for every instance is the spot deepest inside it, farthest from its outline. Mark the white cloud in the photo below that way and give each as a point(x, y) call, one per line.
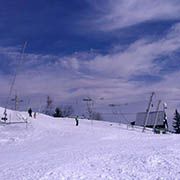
point(138, 58)
point(98, 75)
point(122, 13)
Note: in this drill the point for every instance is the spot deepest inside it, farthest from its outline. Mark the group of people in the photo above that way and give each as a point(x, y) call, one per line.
point(31, 114)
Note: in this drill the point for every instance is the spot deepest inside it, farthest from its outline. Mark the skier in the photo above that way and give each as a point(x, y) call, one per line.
point(132, 123)
point(30, 112)
point(77, 121)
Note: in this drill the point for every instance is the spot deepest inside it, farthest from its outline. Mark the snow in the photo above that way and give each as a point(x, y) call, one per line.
point(55, 149)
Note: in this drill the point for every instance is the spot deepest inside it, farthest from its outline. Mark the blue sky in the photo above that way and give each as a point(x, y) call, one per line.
point(120, 50)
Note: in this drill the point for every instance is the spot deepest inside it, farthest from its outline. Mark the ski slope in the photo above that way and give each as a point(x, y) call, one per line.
point(55, 149)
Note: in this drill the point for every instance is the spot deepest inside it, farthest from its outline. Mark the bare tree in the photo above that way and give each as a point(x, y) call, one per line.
point(58, 112)
point(48, 109)
point(96, 116)
point(67, 111)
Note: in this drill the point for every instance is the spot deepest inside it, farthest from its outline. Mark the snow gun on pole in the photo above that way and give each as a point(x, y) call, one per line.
point(13, 81)
point(148, 111)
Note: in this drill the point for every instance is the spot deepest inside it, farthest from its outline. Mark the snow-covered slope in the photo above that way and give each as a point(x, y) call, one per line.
point(56, 149)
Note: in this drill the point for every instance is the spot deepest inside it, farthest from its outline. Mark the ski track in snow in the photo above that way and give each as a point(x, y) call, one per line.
point(55, 149)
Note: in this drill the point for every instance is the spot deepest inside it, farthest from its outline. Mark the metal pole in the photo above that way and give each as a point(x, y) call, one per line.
point(148, 111)
point(115, 112)
point(16, 102)
point(15, 76)
point(89, 108)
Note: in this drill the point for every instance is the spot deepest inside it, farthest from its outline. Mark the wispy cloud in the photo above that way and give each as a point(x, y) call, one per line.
point(139, 58)
point(116, 14)
point(97, 75)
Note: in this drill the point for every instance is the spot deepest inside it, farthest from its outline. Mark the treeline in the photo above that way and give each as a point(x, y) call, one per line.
point(176, 122)
point(68, 111)
point(65, 111)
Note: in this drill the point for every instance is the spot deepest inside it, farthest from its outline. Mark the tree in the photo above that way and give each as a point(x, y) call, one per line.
point(64, 111)
point(176, 122)
point(58, 112)
point(48, 109)
point(96, 116)
point(67, 111)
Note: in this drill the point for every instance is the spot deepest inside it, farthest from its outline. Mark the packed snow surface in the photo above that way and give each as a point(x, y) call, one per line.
point(55, 149)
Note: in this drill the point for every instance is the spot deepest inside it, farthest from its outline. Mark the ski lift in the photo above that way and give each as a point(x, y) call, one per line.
point(5, 116)
point(12, 84)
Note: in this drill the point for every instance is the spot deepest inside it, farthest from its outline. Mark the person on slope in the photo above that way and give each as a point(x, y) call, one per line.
point(77, 121)
point(30, 112)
